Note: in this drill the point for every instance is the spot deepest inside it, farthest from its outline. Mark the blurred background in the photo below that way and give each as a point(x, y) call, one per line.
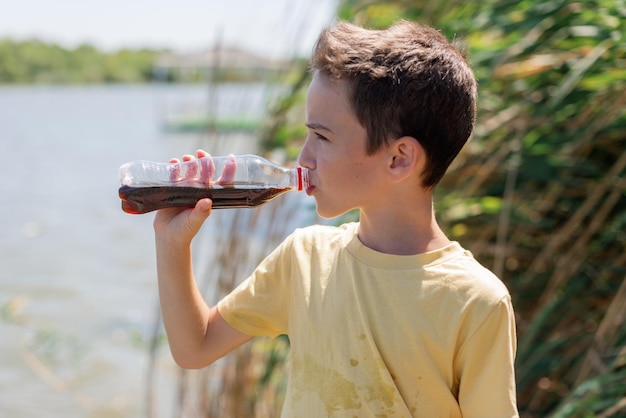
point(538, 195)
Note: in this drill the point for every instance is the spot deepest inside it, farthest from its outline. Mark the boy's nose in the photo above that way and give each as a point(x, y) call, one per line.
point(305, 159)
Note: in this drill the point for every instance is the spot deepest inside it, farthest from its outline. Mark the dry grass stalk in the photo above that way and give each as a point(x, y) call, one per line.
point(613, 320)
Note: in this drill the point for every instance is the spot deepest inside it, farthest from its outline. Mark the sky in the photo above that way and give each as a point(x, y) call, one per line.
point(272, 27)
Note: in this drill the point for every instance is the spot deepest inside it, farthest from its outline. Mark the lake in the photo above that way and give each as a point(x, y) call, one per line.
point(78, 292)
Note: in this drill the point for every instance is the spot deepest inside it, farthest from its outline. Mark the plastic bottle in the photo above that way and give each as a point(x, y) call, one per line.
point(244, 181)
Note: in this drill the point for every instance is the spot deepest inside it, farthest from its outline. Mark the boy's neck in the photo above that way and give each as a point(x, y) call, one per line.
point(402, 228)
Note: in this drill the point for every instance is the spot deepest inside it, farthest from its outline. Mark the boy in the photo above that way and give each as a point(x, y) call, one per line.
point(387, 316)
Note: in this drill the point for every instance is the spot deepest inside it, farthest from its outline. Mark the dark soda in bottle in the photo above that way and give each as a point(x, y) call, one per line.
point(246, 181)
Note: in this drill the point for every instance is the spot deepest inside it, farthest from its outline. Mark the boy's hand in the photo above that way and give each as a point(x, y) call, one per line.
point(182, 224)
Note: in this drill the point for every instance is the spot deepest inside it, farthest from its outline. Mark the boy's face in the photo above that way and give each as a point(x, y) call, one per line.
point(342, 176)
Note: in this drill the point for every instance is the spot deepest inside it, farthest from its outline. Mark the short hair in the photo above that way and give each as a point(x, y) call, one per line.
point(407, 80)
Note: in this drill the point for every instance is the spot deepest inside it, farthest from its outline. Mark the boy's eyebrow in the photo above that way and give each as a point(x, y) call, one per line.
point(318, 126)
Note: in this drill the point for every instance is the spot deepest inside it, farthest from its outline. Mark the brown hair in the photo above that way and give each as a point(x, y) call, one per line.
point(407, 80)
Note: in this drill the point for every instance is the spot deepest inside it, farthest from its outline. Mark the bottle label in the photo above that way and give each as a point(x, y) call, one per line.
point(299, 178)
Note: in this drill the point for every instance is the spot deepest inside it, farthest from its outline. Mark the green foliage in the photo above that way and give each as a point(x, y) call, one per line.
point(601, 396)
point(35, 61)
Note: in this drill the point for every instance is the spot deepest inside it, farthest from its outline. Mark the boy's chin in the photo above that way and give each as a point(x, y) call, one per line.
point(324, 216)
point(329, 213)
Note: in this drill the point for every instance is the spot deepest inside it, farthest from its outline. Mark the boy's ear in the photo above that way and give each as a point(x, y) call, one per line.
point(406, 156)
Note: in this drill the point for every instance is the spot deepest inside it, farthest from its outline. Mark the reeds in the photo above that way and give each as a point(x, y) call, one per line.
point(549, 147)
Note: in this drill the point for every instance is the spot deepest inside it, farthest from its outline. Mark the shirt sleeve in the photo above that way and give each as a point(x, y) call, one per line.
point(485, 365)
point(259, 306)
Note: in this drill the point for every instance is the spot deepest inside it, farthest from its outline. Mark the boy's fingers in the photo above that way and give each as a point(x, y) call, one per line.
point(198, 215)
point(207, 168)
point(230, 167)
point(191, 166)
point(204, 205)
point(174, 169)
point(202, 153)
point(188, 167)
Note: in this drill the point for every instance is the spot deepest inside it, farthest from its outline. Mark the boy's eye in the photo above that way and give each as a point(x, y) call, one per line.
point(321, 137)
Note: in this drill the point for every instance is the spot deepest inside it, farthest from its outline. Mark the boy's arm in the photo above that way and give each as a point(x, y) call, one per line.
point(197, 333)
point(486, 363)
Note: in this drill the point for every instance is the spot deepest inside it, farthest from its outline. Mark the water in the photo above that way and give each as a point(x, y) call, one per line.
point(78, 291)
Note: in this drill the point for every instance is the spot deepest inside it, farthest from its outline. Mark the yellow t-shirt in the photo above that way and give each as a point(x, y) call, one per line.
point(380, 335)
